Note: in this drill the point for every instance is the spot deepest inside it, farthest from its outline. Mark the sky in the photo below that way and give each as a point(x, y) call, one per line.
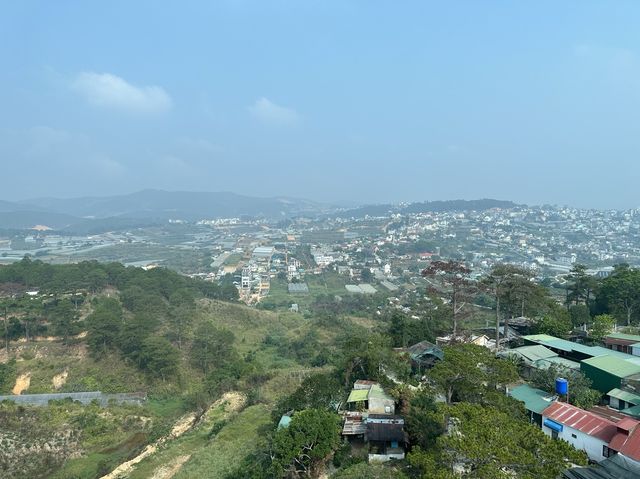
point(344, 102)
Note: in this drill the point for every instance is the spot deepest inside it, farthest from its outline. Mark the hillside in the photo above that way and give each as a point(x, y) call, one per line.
point(96, 327)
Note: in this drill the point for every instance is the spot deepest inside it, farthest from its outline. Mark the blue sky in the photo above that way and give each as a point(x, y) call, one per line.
point(358, 101)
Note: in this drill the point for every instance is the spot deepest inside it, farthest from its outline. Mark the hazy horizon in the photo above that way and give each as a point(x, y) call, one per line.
point(335, 101)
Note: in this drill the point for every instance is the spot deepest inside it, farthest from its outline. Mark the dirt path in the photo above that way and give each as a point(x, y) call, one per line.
point(234, 401)
point(22, 383)
point(170, 470)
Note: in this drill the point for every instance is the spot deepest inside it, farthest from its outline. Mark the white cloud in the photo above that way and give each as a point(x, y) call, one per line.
point(110, 91)
point(268, 112)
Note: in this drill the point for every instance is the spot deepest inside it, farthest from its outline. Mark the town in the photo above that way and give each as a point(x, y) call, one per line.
point(534, 294)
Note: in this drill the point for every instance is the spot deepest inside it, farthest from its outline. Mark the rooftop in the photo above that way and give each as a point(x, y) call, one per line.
point(584, 421)
point(535, 400)
point(615, 366)
point(532, 353)
point(546, 363)
point(626, 396)
point(569, 346)
point(627, 441)
point(358, 395)
point(627, 337)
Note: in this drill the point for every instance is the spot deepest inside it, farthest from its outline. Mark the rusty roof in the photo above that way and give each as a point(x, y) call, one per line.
point(584, 421)
point(627, 444)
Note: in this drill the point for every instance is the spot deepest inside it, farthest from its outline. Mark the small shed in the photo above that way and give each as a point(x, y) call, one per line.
point(621, 399)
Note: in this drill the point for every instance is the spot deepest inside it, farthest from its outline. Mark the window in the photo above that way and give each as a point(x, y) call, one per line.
point(554, 434)
point(606, 452)
point(574, 436)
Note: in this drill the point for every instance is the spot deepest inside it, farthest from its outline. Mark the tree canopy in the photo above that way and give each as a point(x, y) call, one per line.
point(490, 444)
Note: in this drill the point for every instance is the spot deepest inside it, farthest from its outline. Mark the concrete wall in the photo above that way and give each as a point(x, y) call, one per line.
point(83, 397)
point(589, 444)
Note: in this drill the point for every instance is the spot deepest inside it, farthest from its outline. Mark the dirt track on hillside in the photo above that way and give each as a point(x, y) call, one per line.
point(234, 400)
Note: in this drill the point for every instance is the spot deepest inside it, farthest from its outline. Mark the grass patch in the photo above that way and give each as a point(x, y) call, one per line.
point(233, 443)
point(190, 443)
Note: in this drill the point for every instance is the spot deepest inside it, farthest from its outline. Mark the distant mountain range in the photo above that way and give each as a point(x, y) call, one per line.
point(147, 207)
point(95, 214)
point(175, 204)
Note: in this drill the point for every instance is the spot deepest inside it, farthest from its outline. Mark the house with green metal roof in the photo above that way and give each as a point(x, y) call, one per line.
point(535, 401)
point(529, 354)
point(368, 396)
point(622, 399)
point(571, 350)
point(633, 411)
point(607, 372)
point(557, 361)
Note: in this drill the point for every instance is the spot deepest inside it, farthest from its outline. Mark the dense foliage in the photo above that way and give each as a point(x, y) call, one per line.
point(489, 443)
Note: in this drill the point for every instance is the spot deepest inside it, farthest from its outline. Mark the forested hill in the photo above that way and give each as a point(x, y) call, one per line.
point(154, 299)
point(92, 276)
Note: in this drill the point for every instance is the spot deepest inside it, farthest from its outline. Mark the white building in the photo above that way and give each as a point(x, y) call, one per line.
point(582, 429)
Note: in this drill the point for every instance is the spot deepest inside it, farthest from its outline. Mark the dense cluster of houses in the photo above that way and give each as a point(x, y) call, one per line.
point(609, 433)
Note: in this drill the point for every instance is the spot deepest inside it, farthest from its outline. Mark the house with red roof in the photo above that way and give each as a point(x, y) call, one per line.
point(627, 439)
point(582, 429)
point(600, 437)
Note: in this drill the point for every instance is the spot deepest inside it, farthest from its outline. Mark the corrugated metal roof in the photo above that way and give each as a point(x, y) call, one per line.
point(568, 346)
point(626, 337)
point(535, 400)
point(626, 396)
point(614, 467)
point(584, 421)
point(377, 392)
point(532, 353)
point(632, 411)
point(354, 424)
point(425, 348)
point(557, 361)
point(600, 351)
point(614, 366)
point(385, 432)
point(627, 443)
point(608, 413)
point(557, 343)
point(358, 395)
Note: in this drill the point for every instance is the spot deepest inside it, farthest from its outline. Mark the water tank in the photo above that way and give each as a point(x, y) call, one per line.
point(562, 386)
